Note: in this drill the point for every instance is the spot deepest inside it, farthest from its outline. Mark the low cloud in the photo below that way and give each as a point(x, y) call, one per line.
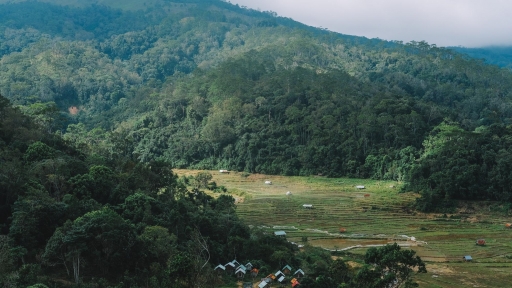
point(470, 23)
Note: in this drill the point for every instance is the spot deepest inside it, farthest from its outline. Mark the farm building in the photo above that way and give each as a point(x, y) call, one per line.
point(308, 206)
point(240, 272)
point(248, 266)
point(230, 266)
point(220, 268)
point(467, 258)
point(280, 233)
point(254, 272)
point(287, 270)
point(268, 182)
point(298, 274)
point(480, 242)
point(360, 187)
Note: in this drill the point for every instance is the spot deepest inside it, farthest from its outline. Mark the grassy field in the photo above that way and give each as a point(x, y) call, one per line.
point(379, 214)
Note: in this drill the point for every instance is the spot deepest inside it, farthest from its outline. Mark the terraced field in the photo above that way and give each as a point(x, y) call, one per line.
point(377, 215)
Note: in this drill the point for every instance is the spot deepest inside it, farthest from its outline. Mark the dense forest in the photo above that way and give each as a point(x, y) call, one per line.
point(105, 99)
point(210, 85)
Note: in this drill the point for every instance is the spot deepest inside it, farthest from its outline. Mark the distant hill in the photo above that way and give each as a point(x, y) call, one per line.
point(495, 55)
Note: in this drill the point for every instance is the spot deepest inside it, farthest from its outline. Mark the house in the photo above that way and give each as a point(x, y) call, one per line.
point(308, 206)
point(254, 272)
point(240, 272)
point(279, 273)
point(268, 182)
point(248, 266)
point(360, 187)
point(467, 258)
point(263, 284)
point(235, 263)
point(281, 279)
point(230, 267)
point(280, 233)
point(294, 282)
point(480, 242)
point(299, 274)
point(220, 268)
point(287, 270)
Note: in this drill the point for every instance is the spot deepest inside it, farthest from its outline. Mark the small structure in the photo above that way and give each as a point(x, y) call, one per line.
point(248, 266)
point(295, 282)
point(247, 285)
point(222, 171)
point(360, 187)
point(308, 206)
point(366, 195)
point(281, 279)
point(298, 274)
point(343, 230)
point(280, 233)
point(287, 270)
point(220, 268)
point(254, 272)
point(288, 193)
point(240, 272)
point(230, 267)
point(268, 182)
point(467, 258)
point(235, 263)
point(480, 242)
point(263, 284)
point(508, 225)
point(279, 273)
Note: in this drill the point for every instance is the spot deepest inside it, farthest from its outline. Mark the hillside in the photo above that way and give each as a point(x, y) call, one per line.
point(210, 85)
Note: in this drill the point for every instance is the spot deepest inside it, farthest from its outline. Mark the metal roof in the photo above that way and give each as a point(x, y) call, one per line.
point(280, 233)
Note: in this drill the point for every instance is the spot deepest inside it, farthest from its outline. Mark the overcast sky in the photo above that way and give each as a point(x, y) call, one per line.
point(469, 23)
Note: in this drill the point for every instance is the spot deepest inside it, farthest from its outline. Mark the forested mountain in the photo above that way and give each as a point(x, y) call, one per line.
point(208, 84)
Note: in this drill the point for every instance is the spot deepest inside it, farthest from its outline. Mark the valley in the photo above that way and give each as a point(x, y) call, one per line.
point(385, 216)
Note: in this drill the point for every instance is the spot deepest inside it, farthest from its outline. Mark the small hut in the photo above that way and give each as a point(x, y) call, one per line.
point(343, 230)
point(480, 242)
point(508, 225)
point(360, 187)
point(220, 269)
point(295, 282)
point(263, 284)
point(268, 182)
point(467, 258)
point(254, 272)
point(288, 193)
point(287, 269)
point(223, 171)
point(298, 274)
point(308, 206)
point(240, 272)
point(280, 233)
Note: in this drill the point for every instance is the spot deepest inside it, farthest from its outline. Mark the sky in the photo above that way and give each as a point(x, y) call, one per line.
point(468, 23)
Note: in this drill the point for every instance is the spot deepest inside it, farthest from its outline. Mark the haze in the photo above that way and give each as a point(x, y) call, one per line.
point(469, 23)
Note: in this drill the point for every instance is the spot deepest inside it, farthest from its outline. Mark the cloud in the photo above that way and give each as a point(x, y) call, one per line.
point(470, 23)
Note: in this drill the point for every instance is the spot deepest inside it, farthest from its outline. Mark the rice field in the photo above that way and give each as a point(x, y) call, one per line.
point(377, 215)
